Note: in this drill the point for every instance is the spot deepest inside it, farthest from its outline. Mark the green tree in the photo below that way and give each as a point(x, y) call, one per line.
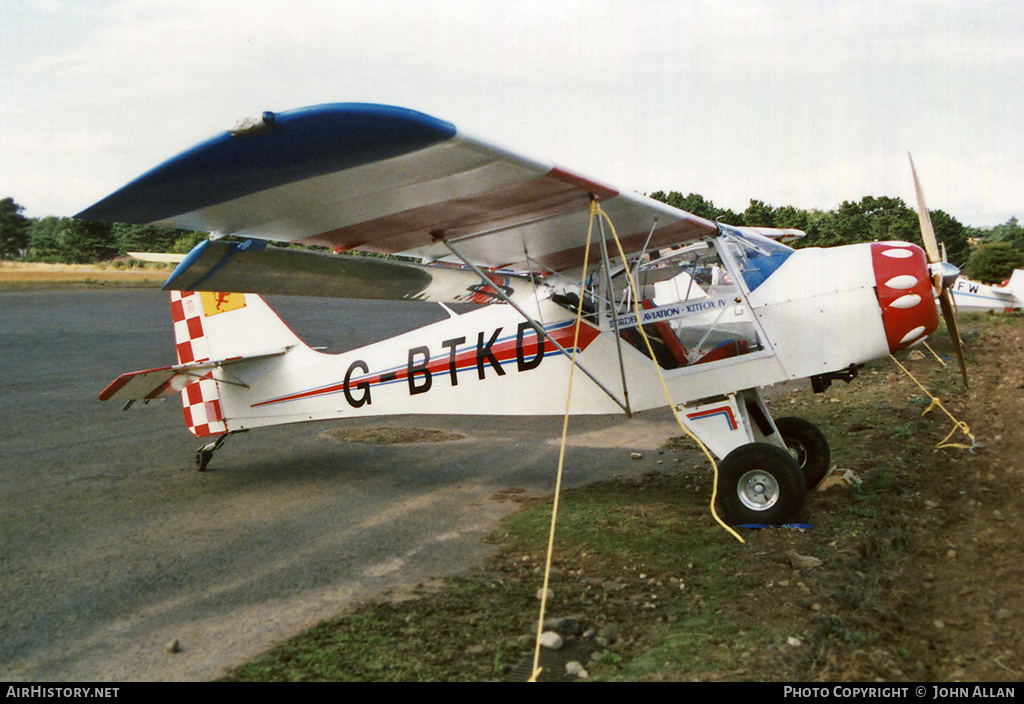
point(730, 217)
point(1010, 231)
point(82, 241)
point(953, 235)
point(759, 214)
point(187, 240)
point(874, 219)
point(692, 203)
point(145, 238)
point(993, 262)
point(43, 243)
point(848, 224)
point(788, 216)
point(871, 219)
point(13, 229)
point(890, 219)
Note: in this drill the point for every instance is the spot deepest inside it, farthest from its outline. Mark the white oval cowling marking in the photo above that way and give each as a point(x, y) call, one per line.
point(898, 253)
point(906, 302)
point(902, 282)
point(913, 334)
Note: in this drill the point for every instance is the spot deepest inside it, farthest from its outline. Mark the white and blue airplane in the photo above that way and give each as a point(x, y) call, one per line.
point(651, 305)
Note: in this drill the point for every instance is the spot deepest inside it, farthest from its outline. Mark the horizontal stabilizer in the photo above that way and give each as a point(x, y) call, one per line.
point(253, 267)
point(150, 384)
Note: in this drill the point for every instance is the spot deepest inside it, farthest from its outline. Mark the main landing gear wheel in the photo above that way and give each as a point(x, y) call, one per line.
point(808, 446)
point(759, 483)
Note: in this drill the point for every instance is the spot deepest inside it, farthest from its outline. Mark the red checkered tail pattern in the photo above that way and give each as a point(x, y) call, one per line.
point(223, 328)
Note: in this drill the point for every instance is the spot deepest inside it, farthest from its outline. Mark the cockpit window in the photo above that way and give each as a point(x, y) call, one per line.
point(693, 311)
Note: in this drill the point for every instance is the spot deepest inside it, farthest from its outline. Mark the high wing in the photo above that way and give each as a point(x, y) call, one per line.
point(355, 176)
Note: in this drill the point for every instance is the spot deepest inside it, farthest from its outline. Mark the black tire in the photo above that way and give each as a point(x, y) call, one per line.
point(809, 448)
point(759, 483)
point(203, 458)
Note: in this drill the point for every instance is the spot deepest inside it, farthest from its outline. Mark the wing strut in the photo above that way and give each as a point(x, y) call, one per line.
point(537, 326)
point(606, 262)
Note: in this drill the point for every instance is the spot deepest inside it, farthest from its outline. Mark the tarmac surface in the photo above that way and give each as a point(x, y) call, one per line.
point(112, 546)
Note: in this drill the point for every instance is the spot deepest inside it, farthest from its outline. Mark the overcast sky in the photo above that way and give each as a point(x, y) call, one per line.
point(791, 102)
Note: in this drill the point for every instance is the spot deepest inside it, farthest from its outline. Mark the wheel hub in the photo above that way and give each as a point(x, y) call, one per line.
point(758, 490)
point(798, 452)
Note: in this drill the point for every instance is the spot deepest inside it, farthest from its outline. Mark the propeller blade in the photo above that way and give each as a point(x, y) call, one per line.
point(949, 315)
point(941, 280)
point(931, 247)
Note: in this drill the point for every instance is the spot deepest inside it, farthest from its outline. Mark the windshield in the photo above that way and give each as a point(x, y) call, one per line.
point(758, 257)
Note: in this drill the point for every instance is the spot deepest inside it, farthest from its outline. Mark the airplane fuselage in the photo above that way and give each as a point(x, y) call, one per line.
point(976, 297)
point(814, 313)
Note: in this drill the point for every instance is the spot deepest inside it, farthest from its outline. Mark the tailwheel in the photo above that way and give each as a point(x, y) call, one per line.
point(205, 453)
point(759, 483)
point(808, 446)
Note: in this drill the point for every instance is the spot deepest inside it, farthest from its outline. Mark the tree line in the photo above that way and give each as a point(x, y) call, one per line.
point(988, 255)
point(73, 241)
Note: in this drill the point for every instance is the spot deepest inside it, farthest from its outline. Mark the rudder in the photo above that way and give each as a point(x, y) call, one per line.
point(220, 326)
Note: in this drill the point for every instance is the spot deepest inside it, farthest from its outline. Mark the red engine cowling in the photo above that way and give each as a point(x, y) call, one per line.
point(905, 295)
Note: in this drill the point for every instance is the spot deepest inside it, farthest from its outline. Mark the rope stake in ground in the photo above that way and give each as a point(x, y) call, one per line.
point(937, 403)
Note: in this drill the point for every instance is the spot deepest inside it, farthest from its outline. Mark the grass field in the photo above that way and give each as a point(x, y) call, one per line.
point(16, 276)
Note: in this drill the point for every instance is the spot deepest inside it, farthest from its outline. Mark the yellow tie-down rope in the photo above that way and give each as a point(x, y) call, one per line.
point(595, 212)
point(661, 377)
point(561, 455)
point(937, 403)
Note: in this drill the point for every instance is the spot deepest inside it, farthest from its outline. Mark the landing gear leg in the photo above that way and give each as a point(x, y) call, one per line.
point(205, 453)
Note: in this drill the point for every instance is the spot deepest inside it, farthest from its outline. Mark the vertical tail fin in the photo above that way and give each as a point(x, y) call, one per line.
point(1016, 286)
point(220, 327)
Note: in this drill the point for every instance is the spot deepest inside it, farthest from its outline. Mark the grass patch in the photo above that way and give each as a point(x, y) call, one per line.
point(391, 436)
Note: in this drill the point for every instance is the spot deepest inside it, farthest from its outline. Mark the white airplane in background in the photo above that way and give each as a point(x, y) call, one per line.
point(575, 274)
point(975, 297)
